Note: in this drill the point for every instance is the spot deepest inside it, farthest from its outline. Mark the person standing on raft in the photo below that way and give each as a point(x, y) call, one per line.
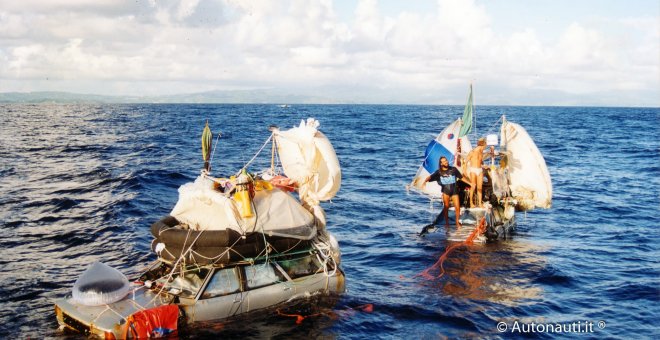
point(447, 176)
point(475, 160)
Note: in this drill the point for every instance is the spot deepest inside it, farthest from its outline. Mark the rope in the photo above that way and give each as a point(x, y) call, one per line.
point(272, 158)
point(230, 248)
point(480, 229)
point(139, 307)
point(174, 266)
point(321, 246)
point(107, 308)
point(255, 155)
point(367, 308)
point(490, 129)
point(214, 148)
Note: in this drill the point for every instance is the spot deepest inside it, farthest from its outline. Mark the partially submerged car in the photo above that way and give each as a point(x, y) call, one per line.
point(208, 292)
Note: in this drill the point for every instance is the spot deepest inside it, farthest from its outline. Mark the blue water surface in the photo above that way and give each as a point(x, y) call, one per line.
point(82, 183)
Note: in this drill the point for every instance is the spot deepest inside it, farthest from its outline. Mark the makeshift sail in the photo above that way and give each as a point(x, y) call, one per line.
point(445, 144)
point(308, 158)
point(529, 179)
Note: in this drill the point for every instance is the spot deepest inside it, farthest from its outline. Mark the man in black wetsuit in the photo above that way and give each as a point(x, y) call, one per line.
point(447, 176)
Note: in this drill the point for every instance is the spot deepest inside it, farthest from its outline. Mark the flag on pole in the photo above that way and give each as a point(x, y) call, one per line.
point(467, 116)
point(207, 139)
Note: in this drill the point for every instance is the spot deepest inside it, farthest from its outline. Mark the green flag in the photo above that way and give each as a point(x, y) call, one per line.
point(207, 139)
point(467, 116)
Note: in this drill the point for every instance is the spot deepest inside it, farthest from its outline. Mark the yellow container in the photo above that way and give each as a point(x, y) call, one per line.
point(262, 185)
point(244, 203)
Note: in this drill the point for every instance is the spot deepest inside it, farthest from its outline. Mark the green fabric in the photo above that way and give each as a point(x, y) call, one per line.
point(467, 116)
point(207, 138)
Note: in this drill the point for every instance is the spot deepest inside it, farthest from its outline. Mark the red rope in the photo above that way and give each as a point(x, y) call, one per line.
point(426, 273)
point(367, 308)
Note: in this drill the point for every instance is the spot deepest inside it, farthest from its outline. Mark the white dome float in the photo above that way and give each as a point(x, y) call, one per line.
point(100, 285)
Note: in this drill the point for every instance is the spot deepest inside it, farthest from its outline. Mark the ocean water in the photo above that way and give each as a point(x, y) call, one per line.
point(83, 183)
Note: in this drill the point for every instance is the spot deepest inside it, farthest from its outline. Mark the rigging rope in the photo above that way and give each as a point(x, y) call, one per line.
point(217, 139)
point(255, 155)
point(490, 129)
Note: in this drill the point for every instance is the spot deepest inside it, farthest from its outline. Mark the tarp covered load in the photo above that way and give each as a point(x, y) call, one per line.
point(443, 145)
point(309, 159)
point(277, 213)
point(529, 179)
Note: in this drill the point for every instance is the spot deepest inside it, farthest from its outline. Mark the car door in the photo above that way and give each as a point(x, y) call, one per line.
point(222, 297)
point(265, 286)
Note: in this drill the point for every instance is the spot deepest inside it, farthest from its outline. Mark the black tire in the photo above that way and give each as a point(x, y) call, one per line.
point(224, 255)
point(166, 230)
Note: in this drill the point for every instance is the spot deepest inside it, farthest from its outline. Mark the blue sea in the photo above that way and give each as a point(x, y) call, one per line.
point(83, 183)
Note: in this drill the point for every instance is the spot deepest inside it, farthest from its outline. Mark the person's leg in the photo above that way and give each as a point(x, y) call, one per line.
point(473, 184)
point(445, 208)
point(457, 207)
point(480, 182)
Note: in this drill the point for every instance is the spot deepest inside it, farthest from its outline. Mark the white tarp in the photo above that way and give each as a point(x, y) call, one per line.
point(277, 213)
point(309, 159)
point(529, 179)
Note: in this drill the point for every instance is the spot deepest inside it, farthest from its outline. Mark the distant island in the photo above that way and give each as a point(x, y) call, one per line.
point(211, 97)
point(322, 94)
point(350, 95)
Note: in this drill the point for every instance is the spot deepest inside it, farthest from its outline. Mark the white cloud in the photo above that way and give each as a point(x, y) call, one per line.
point(192, 45)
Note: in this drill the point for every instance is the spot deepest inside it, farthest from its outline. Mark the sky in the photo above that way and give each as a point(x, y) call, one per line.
point(514, 52)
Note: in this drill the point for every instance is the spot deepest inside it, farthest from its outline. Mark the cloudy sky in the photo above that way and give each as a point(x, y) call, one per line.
point(515, 52)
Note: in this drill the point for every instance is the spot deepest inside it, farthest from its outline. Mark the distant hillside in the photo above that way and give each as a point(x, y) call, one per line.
point(57, 97)
point(242, 96)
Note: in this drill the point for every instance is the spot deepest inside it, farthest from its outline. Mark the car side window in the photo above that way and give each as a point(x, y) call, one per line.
point(224, 281)
point(301, 266)
point(262, 274)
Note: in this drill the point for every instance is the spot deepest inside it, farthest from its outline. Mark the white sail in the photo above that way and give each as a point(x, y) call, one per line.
point(443, 145)
point(309, 159)
point(529, 179)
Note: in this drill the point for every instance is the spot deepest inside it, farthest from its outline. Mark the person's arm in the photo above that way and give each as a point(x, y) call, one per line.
point(465, 154)
point(432, 177)
point(468, 158)
point(459, 175)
